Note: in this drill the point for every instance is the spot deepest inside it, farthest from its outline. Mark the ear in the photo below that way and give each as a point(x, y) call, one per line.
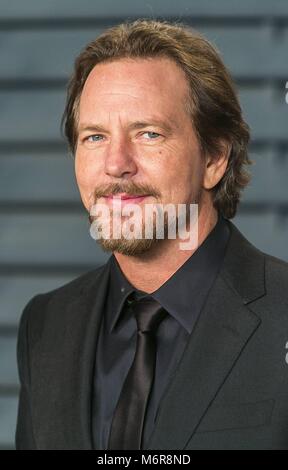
point(215, 166)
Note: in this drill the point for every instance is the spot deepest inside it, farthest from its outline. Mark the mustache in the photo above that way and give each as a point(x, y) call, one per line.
point(129, 188)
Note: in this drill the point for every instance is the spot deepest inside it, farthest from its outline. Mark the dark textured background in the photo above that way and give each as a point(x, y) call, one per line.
point(44, 237)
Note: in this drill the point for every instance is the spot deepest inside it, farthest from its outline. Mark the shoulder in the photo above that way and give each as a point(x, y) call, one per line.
point(276, 274)
point(57, 297)
point(276, 265)
point(246, 253)
point(254, 273)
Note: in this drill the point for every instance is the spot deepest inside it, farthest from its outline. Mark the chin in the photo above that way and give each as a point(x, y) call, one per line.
point(128, 247)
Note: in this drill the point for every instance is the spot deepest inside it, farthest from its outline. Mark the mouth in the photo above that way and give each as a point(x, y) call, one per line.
point(125, 198)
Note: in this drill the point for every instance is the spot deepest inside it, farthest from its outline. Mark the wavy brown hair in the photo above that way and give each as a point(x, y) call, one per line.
point(213, 104)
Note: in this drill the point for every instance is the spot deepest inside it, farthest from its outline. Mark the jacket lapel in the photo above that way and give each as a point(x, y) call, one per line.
point(223, 329)
point(94, 312)
point(65, 372)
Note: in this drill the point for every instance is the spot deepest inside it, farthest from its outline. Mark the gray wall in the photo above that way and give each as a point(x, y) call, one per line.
point(44, 238)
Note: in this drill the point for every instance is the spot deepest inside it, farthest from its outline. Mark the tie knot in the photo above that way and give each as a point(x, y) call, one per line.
point(148, 313)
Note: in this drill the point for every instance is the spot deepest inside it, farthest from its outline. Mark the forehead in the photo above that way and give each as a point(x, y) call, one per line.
point(157, 83)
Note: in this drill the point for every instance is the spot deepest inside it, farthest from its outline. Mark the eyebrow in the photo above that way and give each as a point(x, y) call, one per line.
point(132, 126)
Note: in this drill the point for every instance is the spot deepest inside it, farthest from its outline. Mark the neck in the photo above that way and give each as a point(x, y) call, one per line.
point(148, 271)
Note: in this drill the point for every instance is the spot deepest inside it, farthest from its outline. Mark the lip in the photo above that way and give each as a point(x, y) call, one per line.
point(125, 198)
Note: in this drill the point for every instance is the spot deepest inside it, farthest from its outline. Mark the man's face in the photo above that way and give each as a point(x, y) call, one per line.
point(135, 137)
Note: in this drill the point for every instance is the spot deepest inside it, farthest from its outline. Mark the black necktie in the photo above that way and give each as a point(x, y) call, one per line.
point(128, 419)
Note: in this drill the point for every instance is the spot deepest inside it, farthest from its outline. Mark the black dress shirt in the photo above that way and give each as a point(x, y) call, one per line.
point(183, 296)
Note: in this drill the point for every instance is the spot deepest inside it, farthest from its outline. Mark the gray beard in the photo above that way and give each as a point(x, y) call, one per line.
point(138, 246)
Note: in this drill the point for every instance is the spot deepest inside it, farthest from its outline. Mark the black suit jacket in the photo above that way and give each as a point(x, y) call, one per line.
point(230, 390)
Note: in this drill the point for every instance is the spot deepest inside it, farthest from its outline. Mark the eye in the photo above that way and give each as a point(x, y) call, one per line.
point(152, 134)
point(91, 138)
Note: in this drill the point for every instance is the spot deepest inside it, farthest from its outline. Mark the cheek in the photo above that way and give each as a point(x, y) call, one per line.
point(85, 171)
point(183, 177)
point(84, 181)
point(175, 170)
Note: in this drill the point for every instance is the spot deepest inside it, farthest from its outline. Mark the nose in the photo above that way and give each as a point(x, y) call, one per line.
point(120, 159)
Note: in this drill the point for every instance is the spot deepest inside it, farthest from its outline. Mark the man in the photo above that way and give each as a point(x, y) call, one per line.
point(162, 347)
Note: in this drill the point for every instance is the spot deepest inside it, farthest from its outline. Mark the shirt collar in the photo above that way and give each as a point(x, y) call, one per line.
point(184, 293)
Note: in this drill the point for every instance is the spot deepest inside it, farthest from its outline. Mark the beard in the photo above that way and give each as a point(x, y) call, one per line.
point(132, 247)
point(140, 244)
